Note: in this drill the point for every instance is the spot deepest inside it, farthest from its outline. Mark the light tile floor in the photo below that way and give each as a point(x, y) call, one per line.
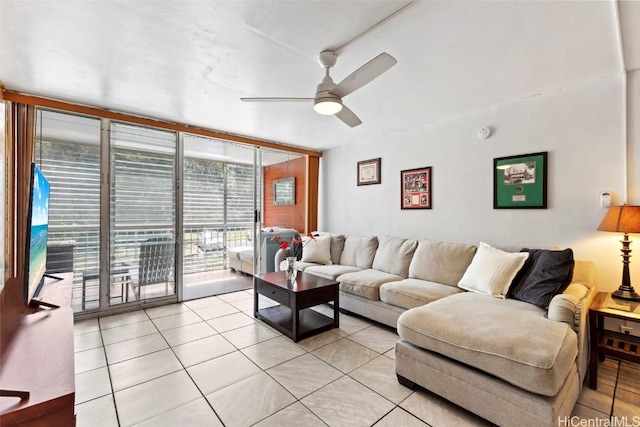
point(208, 362)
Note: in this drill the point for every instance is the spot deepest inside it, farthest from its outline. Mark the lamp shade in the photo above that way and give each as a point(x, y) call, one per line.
point(623, 219)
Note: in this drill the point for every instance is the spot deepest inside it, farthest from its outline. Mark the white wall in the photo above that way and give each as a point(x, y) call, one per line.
point(580, 127)
point(633, 126)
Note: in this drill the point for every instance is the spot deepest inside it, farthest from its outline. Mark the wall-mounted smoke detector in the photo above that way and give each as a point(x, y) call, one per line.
point(484, 133)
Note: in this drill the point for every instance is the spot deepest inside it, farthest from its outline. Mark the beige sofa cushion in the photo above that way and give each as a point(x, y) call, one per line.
point(584, 272)
point(359, 251)
point(366, 283)
point(516, 342)
point(337, 244)
point(410, 293)
point(235, 252)
point(316, 250)
point(441, 262)
point(394, 255)
point(331, 271)
point(299, 265)
point(246, 255)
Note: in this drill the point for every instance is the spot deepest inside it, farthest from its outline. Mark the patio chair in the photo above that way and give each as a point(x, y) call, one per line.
point(157, 259)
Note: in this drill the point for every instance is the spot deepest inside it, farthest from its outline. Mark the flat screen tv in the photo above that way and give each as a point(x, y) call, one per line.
point(37, 232)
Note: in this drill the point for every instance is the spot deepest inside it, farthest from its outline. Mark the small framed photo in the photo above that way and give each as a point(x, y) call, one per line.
point(520, 182)
point(415, 188)
point(369, 172)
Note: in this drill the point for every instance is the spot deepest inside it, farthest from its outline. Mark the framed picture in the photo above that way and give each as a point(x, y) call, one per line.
point(369, 172)
point(520, 182)
point(284, 191)
point(415, 191)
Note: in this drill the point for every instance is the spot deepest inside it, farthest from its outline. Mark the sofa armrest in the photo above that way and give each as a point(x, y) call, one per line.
point(572, 307)
point(280, 256)
point(565, 307)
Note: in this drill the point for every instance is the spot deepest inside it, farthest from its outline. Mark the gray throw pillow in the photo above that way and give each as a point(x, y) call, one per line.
point(545, 274)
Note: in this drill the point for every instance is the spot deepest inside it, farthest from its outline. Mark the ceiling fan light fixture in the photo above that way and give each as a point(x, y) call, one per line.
point(327, 106)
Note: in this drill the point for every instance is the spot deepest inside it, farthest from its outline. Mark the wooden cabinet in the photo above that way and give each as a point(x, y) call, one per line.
point(611, 343)
point(36, 356)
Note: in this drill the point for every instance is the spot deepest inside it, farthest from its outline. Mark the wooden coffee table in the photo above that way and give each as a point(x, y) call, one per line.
point(294, 316)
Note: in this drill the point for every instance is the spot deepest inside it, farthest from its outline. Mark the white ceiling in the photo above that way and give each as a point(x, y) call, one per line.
point(191, 61)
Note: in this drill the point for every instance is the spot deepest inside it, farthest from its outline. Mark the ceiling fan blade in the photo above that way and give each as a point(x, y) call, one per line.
point(348, 117)
point(365, 74)
point(276, 99)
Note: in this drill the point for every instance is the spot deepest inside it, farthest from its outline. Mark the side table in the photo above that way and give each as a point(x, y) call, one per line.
point(611, 343)
point(95, 274)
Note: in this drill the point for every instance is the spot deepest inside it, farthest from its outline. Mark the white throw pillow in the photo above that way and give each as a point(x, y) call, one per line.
point(317, 250)
point(491, 271)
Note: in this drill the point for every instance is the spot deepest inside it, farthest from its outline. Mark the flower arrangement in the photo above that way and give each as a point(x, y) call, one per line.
point(294, 251)
point(295, 248)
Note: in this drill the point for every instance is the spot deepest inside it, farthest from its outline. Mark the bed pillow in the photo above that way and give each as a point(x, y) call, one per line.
point(545, 274)
point(317, 250)
point(491, 271)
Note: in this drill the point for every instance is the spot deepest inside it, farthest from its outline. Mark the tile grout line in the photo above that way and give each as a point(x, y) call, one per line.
point(349, 336)
point(343, 374)
point(184, 368)
point(113, 394)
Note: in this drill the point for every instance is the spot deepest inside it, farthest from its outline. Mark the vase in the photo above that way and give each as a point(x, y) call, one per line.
point(291, 271)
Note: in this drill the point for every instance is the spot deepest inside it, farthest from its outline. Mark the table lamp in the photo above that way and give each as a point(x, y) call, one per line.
point(623, 219)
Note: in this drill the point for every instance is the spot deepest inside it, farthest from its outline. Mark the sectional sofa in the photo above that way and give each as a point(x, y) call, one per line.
point(507, 360)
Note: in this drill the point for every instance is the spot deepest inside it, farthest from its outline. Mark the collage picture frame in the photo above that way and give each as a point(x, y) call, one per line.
point(415, 188)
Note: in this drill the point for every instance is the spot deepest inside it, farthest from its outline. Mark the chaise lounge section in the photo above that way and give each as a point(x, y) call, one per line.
point(509, 361)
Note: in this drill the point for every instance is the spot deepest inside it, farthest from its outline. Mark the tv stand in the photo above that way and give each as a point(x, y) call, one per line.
point(37, 379)
point(39, 304)
point(14, 393)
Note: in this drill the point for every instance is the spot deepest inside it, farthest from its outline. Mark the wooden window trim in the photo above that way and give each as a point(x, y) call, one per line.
point(145, 121)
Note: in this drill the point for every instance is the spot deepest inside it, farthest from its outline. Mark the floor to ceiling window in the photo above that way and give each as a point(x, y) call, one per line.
point(142, 243)
point(141, 213)
point(68, 153)
point(218, 212)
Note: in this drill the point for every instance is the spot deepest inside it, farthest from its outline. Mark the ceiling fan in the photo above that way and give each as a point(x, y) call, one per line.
point(328, 99)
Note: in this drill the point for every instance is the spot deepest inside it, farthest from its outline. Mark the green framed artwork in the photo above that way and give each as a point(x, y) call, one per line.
point(520, 182)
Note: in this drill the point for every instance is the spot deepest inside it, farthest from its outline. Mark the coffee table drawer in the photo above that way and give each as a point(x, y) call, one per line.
point(273, 292)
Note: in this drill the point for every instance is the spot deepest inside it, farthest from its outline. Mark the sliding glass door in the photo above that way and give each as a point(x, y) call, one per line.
point(142, 248)
point(68, 153)
point(218, 212)
point(138, 213)
point(282, 213)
